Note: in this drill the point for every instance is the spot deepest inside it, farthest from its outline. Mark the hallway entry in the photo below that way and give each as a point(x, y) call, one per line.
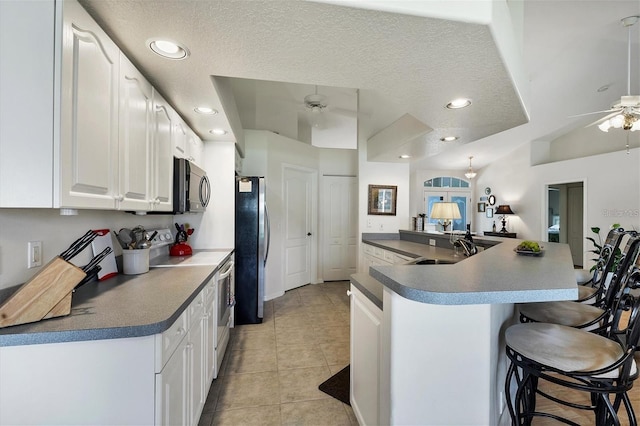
point(565, 223)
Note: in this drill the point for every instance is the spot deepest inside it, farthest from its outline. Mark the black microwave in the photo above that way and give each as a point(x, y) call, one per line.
point(191, 187)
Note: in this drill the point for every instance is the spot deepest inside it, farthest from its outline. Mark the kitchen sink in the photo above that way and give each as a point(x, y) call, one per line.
point(425, 261)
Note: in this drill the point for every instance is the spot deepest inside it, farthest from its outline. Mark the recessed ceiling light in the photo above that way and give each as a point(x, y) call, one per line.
point(449, 138)
point(404, 156)
point(459, 103)
point(168, 49)
point(218, 132)
point(205, 110)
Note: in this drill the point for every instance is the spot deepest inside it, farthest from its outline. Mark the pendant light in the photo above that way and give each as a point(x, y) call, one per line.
point(470, 173)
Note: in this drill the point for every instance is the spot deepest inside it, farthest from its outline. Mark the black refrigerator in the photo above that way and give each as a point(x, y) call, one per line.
point(251, 250)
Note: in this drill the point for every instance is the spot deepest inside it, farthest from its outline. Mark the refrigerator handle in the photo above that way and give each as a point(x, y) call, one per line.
point(268, 236)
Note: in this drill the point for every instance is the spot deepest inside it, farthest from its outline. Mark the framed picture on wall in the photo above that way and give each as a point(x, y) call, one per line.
point(489, 212)
point(481, 207)
point(382, 200)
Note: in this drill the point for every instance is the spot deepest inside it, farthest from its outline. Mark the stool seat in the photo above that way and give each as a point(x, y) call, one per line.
point(565, 348)
point(567, 313)
point(585, 294)
point(583, 276)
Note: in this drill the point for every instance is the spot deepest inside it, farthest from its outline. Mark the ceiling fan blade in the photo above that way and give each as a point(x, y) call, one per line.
point(612, 111)
point(606, 117)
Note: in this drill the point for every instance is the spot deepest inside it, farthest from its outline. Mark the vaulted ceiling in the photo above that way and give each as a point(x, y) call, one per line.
point(524, 78)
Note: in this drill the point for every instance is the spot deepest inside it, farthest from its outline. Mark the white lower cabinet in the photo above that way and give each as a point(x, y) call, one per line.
point(366, 358)
point(183, 381)
point(210, 316)
point(171, 388)
point(162, 379)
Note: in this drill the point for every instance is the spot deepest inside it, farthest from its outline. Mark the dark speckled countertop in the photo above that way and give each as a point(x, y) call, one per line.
point(122, 306)
point(495, 275)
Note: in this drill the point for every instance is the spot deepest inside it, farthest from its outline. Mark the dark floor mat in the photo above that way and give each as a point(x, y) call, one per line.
point(338, 385)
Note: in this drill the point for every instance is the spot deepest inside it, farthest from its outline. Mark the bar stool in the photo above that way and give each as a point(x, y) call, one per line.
point(595, 318)
point(592, 283)
point(576, 359)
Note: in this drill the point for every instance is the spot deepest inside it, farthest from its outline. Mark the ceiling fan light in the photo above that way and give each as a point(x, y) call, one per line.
point(604, 126)
point(636, 125)
point(617, 121)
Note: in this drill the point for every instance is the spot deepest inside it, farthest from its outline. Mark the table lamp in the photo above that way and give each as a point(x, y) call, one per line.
point(504, 210)
point(447, 212)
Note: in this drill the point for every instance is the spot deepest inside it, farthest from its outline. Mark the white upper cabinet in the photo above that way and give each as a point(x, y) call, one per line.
point(136, 126)
point(26, 103)
point(162, 155)
point(180, 136)
point(76, 112)
point(195, 148)
point(89, 113)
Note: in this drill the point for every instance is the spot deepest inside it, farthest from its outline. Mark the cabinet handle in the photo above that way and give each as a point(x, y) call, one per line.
point(119, 197)
point(180, 331)
point(348, 292)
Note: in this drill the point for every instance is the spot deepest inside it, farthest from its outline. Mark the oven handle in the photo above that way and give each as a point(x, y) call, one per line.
point(226, 273)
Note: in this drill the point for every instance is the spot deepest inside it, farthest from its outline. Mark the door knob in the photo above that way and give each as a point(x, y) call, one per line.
point(308, 234)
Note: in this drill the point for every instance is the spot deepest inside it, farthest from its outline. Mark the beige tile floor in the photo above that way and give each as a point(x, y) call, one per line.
point(271, 371)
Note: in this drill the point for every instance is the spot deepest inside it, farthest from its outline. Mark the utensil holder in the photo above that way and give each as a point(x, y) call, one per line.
point(135, 261)
point(46, 295)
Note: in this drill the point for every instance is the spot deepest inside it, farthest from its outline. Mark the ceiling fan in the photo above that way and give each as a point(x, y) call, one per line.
point(320, 112)
point(315, 103)
point(624, 114)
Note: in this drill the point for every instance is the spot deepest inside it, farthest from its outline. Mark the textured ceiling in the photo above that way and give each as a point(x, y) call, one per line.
point(399, 63)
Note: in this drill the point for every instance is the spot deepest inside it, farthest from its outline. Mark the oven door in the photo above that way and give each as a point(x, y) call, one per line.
point(225, 302)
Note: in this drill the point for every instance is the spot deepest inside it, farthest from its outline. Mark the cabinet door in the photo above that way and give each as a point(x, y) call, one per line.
point(194, 148)
point(210, 341)
point(162, 155)
point(366, 341)
point(26, 103)
point(198, 368)
point(136, 101)
point(179, 137)
point(89, 113)
point(172, 389)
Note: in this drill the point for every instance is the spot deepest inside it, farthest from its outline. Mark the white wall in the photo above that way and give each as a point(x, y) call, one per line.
point(266, 153)
point(611, 190)
point(215, 228)
point(19, 226)
point(375, 173)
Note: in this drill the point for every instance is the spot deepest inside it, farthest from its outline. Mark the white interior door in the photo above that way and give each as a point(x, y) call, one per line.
point(298, 226)
point(340, 217)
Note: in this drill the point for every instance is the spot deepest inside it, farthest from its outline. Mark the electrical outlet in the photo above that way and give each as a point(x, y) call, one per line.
point(369, 224)
point(382, 227)
point(432, 242)
point(34, 254)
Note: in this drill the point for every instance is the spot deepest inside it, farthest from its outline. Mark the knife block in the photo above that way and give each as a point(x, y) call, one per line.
point(46, 295)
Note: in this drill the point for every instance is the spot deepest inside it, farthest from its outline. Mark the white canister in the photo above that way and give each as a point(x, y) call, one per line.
point(135, 261)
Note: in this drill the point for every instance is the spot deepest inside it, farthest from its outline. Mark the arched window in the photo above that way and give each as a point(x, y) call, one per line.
point(446, 182)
